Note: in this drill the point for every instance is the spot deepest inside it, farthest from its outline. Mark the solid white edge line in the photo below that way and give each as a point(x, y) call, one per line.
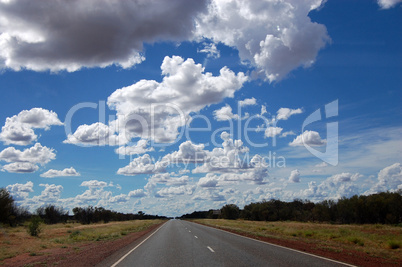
point(128, 253)
point(210, 249)
point(267, 243)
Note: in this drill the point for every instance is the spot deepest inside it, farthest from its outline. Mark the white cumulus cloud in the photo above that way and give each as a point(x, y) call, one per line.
point(310, 138)
point(225, 114)
point(294, 176)
point(285, 113)
point(385, 4)
point(26, 160)
point(166, 105)
point(18, 129)
point(60, 173)
point(275, 36)
point(248, 102)
point(69, 35)
point(142, 165)
point(273, 131)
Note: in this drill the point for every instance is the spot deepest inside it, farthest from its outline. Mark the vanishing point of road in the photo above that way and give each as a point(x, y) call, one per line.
point(182, 243)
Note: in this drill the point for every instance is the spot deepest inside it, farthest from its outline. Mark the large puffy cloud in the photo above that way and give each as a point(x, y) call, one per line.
point(165, 106)
point(385, 4)
point(18, 129)
point(142, 165)
point(26, 160)
point(36, 154)
point(310, 138)
point(60, 173)
point(69, 35)
point(275, 36)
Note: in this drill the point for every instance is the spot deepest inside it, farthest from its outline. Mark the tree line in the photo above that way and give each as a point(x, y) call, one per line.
point(13, 215)
point(383, 208)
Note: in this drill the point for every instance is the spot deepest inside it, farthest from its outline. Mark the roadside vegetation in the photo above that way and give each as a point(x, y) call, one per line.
point(375, 240)
point(52, 227)
point(382, 208)
point(16, 240)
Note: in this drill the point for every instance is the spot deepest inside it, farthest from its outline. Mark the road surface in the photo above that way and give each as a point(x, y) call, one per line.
point(182, 243)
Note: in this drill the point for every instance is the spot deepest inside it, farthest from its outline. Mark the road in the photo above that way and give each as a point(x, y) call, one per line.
point(182, 243)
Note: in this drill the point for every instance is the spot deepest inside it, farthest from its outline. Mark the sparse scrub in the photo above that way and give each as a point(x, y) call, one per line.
point(34, 227)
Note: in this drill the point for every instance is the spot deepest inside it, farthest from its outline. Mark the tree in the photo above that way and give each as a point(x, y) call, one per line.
point(52, 214)
point(230, 211)
point(6, 206)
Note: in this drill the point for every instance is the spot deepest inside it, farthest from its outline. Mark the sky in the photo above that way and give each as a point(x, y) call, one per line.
point(169, 107)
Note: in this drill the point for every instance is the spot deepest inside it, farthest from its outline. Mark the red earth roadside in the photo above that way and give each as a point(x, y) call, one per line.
point(86, 254)
point(353, 257)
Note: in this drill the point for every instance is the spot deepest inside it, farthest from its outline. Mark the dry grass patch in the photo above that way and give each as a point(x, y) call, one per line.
point(376, 240)
point(16, 241)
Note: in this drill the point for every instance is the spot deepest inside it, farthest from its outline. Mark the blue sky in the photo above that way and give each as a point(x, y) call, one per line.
point(189, 106)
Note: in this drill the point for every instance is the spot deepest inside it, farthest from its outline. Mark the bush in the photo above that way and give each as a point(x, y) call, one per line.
point(394, 244)
point(34, 227)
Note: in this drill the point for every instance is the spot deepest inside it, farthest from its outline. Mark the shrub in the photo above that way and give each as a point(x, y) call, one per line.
point(394, 244)
point(34, 227)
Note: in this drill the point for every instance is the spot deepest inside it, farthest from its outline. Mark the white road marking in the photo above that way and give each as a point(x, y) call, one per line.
point(189, 231)
point(196, 236)
point(128, 253)
point(211, 249)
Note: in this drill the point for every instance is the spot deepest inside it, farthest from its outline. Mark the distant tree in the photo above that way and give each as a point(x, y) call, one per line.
point(230, 211)
point(52, 214)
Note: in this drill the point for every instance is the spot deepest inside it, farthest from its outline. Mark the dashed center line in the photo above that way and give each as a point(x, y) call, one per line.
point(211, 249)
point(196, 236)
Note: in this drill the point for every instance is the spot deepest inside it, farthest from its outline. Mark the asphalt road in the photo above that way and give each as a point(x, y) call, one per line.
point(181, 243)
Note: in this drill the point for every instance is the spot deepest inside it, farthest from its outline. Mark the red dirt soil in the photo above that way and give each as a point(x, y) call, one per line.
point(87, 254)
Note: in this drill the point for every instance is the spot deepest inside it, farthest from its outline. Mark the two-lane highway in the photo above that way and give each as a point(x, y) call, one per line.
point(181, 243)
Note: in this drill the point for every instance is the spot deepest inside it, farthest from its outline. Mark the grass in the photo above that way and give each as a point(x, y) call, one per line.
point(15, 241)
point(384, 241)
